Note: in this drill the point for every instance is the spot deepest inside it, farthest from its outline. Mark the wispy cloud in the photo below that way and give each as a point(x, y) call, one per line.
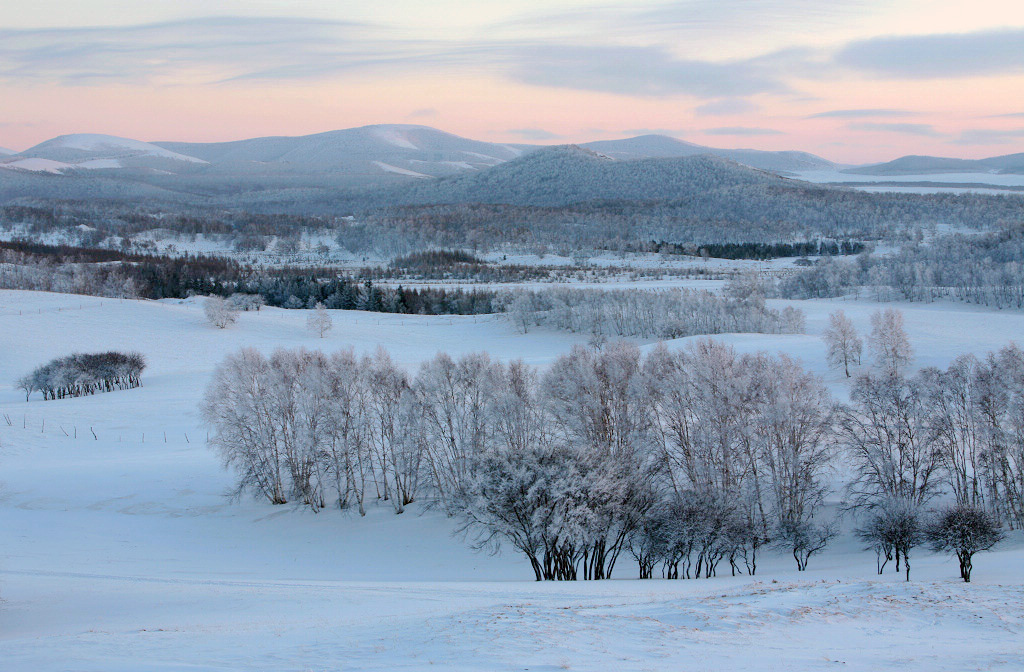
point(991, 52)
point(989, 136)
point(860, 114)
point(742, 130)
point(646, 71)
point(727, 106)
point(926, 130)
point(242, 49)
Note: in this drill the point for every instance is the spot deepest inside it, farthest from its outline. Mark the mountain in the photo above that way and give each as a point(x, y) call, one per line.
point(925, 165)
point(382, 150)
point(6, 152)
point(663, 146)
point(97, 152)
point(570, 174)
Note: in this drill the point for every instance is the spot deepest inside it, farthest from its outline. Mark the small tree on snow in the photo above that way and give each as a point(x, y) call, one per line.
point(964, 530)
point(804, 538)
point(843, 343)
point(319, 321)
point(219, 312)
point(893, 528)
point(889, 344)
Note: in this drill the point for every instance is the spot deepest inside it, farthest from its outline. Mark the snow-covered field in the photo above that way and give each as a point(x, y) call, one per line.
point(119, 550)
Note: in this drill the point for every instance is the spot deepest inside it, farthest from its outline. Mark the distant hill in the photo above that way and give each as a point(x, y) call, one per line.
point(663, 146)
point(405, 150)
point(570, 174)
point(86, 151)
point(925, 165)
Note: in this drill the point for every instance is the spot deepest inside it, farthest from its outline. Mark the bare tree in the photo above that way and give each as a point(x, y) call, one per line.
point(888, 341)
point(843, 343)
point(219, 312)
point(319, 321)
point(886, 434)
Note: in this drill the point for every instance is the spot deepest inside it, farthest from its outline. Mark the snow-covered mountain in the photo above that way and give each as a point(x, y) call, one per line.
point(6, 152)
point(924, 165)
point(663, 146)
point(382, 150)
point(88, 151)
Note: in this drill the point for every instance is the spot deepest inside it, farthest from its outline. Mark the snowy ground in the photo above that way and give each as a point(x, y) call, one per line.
point(121, 552)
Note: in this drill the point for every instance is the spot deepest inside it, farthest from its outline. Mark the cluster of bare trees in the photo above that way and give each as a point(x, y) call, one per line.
point(687, 460)
point(83, 374)
point(668, 313)
point(573, 467)
point(986, 269)
point(301, 425)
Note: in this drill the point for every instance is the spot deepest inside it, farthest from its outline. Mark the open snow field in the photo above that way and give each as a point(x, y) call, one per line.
point(120, 552)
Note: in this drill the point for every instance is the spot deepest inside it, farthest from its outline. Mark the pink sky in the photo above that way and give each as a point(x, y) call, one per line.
point(869, 81)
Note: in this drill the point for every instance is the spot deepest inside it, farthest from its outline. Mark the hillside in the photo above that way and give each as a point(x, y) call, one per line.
point(662, 146)
point(412, 151)
point(570, 174)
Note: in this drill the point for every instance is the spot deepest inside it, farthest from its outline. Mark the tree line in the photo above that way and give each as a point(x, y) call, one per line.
point(984, 269)
point(661, 313)
point(686, 461)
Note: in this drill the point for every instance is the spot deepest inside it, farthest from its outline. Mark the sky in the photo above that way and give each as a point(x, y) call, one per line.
point(851, 80)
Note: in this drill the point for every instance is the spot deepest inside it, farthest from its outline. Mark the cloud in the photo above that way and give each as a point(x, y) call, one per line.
point(1012, 115)
point(239, 49)
point(219, 50)
point(983, 53)
point(741, 130)
point(644, 71)
point(859, 114)
point(727, 106)
point(989, 136)
point(926, 130)
point(534, 134)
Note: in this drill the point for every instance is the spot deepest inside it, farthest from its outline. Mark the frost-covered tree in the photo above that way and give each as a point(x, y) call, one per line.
point(888, 342)
point(893, 528)
point(843, 344)
point(885, 432)
point(319, 321)
point(965, 531)
point(219, 312)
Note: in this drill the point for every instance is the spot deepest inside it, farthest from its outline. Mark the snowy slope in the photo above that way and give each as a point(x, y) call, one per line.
point(121, 552)
point(94, 151)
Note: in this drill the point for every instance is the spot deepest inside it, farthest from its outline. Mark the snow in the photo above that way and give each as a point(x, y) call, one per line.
point(37, 165)
point(95, 142)
point(122, 552)
point(393, 136)
point(387, 167)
